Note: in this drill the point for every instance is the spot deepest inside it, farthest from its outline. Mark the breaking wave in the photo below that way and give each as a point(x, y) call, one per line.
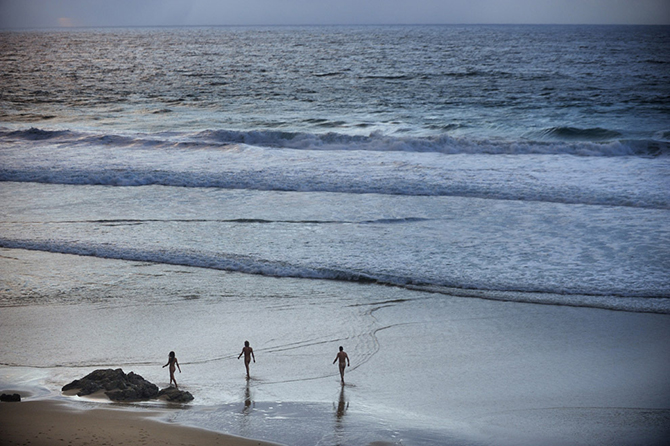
point(608, 299)
point(570, 141)
point(593, 134)
point(331, 162)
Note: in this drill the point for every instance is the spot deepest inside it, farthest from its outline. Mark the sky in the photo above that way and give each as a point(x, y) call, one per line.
point(95, 13)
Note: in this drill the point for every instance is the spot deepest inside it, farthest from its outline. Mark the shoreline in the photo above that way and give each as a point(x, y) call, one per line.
point(45, 422)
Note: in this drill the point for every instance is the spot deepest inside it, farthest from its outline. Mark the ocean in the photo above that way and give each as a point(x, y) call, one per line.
point(283, 184)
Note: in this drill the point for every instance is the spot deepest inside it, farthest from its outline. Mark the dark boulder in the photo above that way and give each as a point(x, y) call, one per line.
point(15, 398)
point(175, 395)
point(117, 385)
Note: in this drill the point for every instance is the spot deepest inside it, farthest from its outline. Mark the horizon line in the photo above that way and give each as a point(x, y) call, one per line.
point(82, 27)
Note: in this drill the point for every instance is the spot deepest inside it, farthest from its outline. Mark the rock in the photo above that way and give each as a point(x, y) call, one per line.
point(117, 385)
point(15, 398)
point(121, 387)
point(175, 395)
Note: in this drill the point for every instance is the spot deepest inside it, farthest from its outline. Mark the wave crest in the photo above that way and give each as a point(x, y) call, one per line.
point(592, 142)
point(574, 133)
point(569, 141)
point(649, 302)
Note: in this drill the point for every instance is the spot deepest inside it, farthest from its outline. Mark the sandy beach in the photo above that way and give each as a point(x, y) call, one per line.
point(51, 422)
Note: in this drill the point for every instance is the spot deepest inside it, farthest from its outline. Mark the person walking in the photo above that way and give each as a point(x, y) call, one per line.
point(172, 362)
point(248, 353)
point(344, 362)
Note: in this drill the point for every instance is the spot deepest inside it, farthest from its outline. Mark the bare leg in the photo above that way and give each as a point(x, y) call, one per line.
point(342, 373)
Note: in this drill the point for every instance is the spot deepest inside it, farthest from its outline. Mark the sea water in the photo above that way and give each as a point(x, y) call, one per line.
point(242, 177)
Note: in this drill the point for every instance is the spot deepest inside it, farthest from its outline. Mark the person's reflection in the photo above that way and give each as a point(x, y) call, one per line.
point(246, 419)
point(340, 412)
point(248, 403)
point(342, 406)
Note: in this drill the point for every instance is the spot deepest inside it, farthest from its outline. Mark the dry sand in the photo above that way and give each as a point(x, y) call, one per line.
point(49, 423)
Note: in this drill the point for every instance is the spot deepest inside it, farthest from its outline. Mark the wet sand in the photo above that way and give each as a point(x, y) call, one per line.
point(47, 423)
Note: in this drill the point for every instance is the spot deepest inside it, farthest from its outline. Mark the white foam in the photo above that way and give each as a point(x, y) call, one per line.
point(376, 141)
point(653, 302)
point(442, 165)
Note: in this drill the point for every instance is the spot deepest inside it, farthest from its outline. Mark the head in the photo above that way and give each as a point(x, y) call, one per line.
point(246, 343)
point(341, 348)
point(171, 354)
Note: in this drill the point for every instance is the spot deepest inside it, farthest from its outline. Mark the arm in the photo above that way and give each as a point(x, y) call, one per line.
point(177, 362)
point(252, 355)
point(348, 363)
point(240, 354)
